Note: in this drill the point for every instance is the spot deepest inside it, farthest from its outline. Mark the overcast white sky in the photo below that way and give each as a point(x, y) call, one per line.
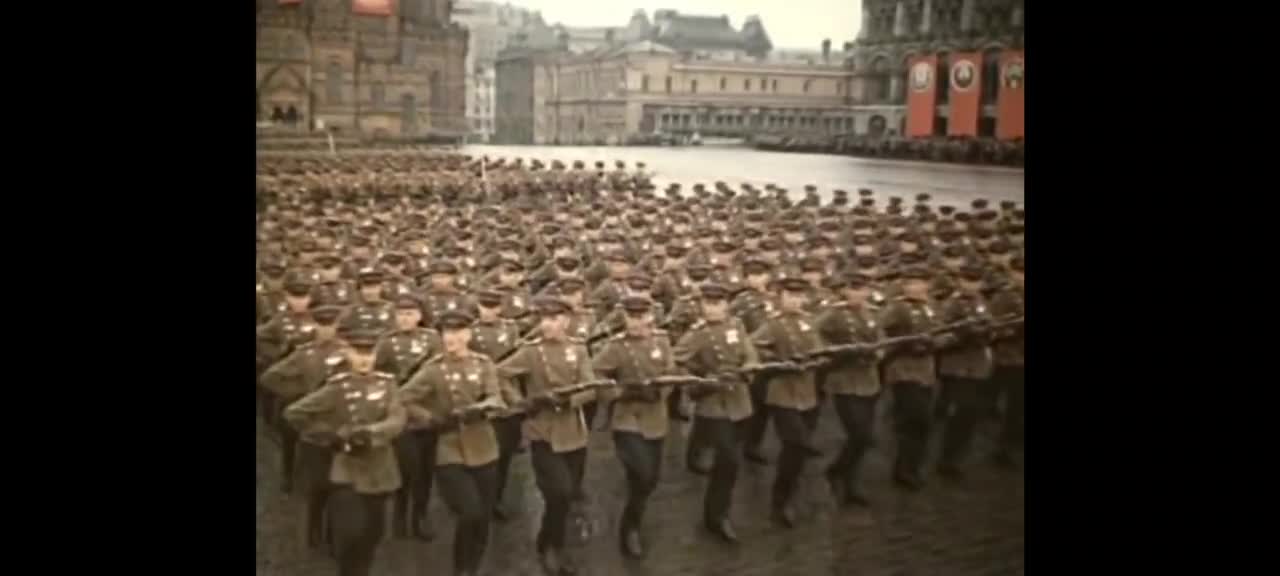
point(790, 23)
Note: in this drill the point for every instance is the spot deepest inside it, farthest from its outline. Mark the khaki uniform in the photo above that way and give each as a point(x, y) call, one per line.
point(447, 383)
point(543, 366)
point(633, 359)
point(401, 351)
point(905, 317)
point(783, 336)
point(282, 334)
point(495, 339)
point(379, 315)
point(840, 324)
point(971, 360)
point(713, 348)
point(1009, 351)
point(753, 308)
point(350, 399)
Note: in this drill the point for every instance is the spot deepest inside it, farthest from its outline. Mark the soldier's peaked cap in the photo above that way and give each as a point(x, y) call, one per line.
point(793, 284)
point(636, 304)
point(549, 306)
point(454, 320)
point(362, 338)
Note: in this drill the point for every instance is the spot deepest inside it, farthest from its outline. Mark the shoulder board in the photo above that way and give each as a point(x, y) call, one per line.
point(432, 360)
point(384, 376)
point(532, 341)
point(698, 324)
point(334, 360)
point(340, 377)
point(775, 314)
point(660, 332)
point(579, 341)
point(619, 336)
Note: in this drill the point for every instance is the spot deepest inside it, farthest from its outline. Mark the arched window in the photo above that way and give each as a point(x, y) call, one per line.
point(990, 77)
point(876, 126)
point(333, 83)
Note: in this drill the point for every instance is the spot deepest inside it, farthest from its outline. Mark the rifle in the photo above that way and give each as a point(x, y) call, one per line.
point(864, 348)
point(558, 396)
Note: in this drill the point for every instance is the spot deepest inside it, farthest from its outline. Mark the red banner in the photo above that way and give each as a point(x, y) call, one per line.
point(372, 7)
point(922, 95)
point(1009, 108)
point(966, 92)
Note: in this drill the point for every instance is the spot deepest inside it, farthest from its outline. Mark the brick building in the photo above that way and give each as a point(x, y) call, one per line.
point(381, 68)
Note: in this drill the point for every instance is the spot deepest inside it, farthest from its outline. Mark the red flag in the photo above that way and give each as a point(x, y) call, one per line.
point(922, 95)
point(1009, 109)
point(372, 7)
point(966, 89)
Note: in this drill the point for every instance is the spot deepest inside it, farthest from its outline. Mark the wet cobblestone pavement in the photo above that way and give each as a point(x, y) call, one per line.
point(974, 527)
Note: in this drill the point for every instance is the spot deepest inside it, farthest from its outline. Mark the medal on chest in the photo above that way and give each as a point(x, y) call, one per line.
point(731, 337)
point(570, 356)
point(656, 354)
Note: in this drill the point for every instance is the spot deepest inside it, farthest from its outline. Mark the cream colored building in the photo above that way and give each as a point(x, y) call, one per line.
point(608, 96)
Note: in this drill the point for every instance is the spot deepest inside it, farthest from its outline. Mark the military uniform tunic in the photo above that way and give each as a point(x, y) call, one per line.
point(968, 356)
point(401, 351)
point(544, 366)
point(633, 359)
point(906, 317)
point(786, 335)
point(710, 349)
point(839, 324)
point(349, 400)
point(447, 383)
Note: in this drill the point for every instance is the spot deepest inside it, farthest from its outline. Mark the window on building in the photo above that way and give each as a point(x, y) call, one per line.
point(764, 84)
point(407, 51)
point(990, 77)
point(775, 85)
point(878, 81)
point(644, 83)
point(436, 99)
point(693, 86)
point(378, 93)
point(746, 84)
point(807, 83)
point(333, 83)
point(942, 78)
point(668, 84)
point(839, 88)
point(723, 82)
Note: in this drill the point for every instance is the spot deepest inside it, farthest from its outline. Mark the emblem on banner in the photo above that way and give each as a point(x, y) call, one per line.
point(962, 75)
point(921, 76)
point(1012, 74)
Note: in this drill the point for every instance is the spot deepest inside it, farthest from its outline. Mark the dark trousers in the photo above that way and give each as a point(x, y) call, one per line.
point(357, 529)
point(589, 413)
point(958, 435)
point(793, 431)
point(1013, 380)
point(642, 461)
point(857, 416)
point(988, 398)
point(508, 432)
point(469, 493)
point(408, 457)
point(313, 466)
point(556, 475)
point(911, 418)
point(426, 443)
point(722, 436)
point(288, 446)
point(758, 422)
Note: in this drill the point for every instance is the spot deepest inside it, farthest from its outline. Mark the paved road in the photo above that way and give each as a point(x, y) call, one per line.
point(975, 528)
point(734, 165)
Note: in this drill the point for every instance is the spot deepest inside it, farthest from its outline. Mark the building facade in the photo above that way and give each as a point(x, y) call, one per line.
point(896, 33)
point(677, 75)
point(491, 27)
point(395, 72)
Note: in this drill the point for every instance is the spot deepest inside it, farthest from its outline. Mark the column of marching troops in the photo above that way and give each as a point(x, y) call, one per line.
point(423, 317)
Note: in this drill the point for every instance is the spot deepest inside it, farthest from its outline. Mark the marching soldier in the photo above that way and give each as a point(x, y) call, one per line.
point(639, 415)
point(283, 333)
point(400, 352)
point(753, 305)
point(451, 394)
point(442, 292)
point(718, 346)
point(358, 414)
point(497, 337)
point(372, 311)
point(964, 363)
point(789, 335)
point(1009, 302)
point(298, 374)
point(910, 370)
point(557, 429)
point(852, 381)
